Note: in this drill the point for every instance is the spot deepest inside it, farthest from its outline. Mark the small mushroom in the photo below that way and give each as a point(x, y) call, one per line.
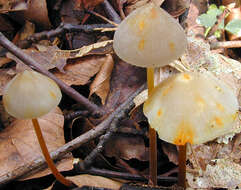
point(30, 95)
point(149, 37)
point(191, 108)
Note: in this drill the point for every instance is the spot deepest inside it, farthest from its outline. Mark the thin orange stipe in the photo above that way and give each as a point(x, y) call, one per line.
point(141, 44)
point(184, 135)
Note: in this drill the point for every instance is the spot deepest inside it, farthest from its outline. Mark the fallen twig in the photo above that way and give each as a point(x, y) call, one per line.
point(111, 13)
point(68, 147)
point(226, 44)
point(62, 29)
point(103, 139)
point(91, 107)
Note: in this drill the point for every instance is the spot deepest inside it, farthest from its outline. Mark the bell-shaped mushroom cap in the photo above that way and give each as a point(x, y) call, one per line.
point(30, 95)
point(191, 108)
point(149, 37)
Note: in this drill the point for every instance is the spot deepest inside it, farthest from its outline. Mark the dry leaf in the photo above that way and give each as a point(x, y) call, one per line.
point(95, 181)
point(221, 173)
point(127, 147)
point(12, 5)
point(47, 57)
point(5, 76)
point(65, 164)
point(80, 70)
point(101, 84)
point(19, 145)
point(87, 4)
point(37, 12)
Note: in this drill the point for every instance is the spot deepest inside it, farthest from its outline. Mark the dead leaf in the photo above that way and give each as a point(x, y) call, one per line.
point(171, 151)
point(37, 12)
point(65, 164)
point(221, 173)
point(95, 181)
point(79, 71)
point(19, 145)
point(5, 76)
point(87, 4)
point(12, 5)
point(127, 147)
point(101, 84)
point(47, 57)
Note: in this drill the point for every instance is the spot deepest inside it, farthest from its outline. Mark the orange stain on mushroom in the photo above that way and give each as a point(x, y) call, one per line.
point(234, 116)
point(166, 90)
point(172, 46)
point(218, 121)
point(200, 102)
point(185, 134)
point(220, 107)
point(153, 13)
point(53, 95)
point(186, 76)
point(141, 44)
point(159, 112)
point(141, 25)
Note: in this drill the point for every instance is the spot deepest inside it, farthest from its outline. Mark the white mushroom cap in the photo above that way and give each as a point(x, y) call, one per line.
point(191, 107)
point(30, 95)
point(149, 37)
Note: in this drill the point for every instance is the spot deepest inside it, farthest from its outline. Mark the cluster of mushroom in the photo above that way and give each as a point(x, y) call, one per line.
point(185, 108)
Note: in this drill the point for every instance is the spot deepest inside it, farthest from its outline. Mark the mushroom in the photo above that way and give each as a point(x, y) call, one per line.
point(191, 108)
point(30, 95)
point(149, 37)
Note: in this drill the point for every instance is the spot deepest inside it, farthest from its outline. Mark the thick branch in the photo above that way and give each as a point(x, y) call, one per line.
point(60, 152)
point(91, 107)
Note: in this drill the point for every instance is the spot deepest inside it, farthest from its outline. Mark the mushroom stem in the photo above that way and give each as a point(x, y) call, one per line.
point(47, 157)
point(182, 165)
point(152, 135)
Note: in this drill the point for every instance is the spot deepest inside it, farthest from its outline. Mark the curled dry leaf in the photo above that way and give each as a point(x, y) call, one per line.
point(37, 12)
point(19, 145)
point(87, 4)
point(5, 76)
point(127, 147)
point(222, 173)
point(101, 84)
point(13, 5)
point(79, 71)
point(47, 57)
point(95, 181)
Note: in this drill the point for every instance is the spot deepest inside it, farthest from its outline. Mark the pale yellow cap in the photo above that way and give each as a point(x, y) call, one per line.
point(30, 95)
point(149, 37)
point(191, 108)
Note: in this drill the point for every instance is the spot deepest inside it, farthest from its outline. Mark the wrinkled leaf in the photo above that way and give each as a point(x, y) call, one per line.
point(221, 173)
point(80, 4)
point(12, 5)
point(127, 147)
point(95, 181)
point(234, 26)
point(19, 145)
point(79, 71)
point(101, 84)
point(37, 12)
point(47, 57)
